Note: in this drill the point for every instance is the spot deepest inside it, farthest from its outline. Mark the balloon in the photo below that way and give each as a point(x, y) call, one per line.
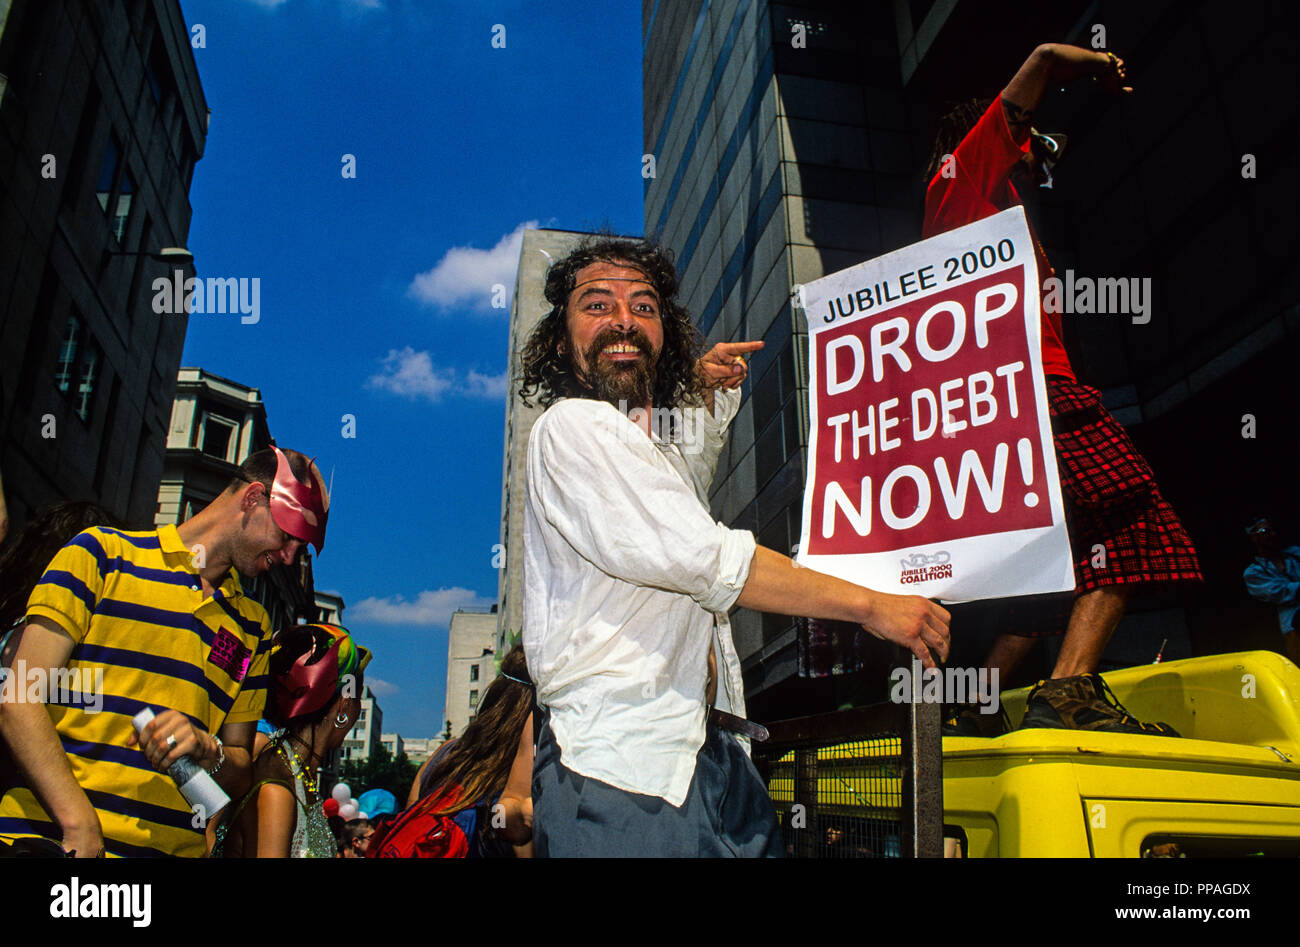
point(363, 815)
point(348, 811)
point(331, 807)
point(377, 801)
point(342, 792)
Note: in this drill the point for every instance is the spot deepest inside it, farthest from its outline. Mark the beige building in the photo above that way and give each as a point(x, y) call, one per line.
point(365, 737)
point(419, 749)
point(215, 424)
point(539, 250)
point(471, 666)
point(329, 607)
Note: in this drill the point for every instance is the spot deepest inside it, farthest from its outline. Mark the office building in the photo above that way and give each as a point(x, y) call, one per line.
point(366, 735)
point(540, 248)
point(790, 142)
point(471, 666)
point(102, 118)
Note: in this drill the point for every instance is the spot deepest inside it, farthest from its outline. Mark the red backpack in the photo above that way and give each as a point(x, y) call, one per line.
point(416, 832)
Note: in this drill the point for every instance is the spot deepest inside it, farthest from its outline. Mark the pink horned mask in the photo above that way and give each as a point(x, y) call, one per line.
point(300, 509)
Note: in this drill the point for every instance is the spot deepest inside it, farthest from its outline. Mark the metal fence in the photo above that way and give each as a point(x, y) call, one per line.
point(860, 783)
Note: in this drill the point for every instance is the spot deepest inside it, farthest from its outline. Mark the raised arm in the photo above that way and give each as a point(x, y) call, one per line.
point(29, 732)
point(1050, 64)
point(777, 585)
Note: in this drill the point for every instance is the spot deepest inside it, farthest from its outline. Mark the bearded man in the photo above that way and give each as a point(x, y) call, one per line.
point(628, 579)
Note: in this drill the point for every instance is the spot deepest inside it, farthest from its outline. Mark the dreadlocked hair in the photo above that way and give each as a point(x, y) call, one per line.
point(953, 127)
point(479, 761)
point(547, 372)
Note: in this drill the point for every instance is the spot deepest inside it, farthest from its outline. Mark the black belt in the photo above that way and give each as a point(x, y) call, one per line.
point(755, 731)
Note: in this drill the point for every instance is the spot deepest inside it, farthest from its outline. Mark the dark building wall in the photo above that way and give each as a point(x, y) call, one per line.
point(84, 82)
point(1151, 187)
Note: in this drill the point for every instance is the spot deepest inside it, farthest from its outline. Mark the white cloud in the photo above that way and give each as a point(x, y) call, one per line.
point(467, 274)
point(381, 688)
point(431, 608)
point(486, 386)
point(413, 375)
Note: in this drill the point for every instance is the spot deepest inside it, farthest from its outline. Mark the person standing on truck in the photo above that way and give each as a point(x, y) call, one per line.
point(1274, 577)
point(983, 153)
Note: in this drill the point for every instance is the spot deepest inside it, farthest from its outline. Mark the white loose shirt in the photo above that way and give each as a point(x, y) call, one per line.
point(627, 582)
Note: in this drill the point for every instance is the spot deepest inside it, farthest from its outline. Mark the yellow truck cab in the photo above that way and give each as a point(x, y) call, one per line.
point(1228, 786)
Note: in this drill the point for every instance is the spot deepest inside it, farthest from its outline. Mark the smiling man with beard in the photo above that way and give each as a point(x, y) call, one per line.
point(628, 579)
point(162, 616)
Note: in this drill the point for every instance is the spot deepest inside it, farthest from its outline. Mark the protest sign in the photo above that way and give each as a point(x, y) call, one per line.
point(930, 464)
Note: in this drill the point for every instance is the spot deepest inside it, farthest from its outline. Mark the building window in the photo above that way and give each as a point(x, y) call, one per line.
point(80, 151)
point(122, 213)
point(68, 354)
point(473, 700)
point(108, 172)
point(219, 436)
point(89, 381)
point(156, 70)
point(473, 672)
point(361, 716)
point(115, 189)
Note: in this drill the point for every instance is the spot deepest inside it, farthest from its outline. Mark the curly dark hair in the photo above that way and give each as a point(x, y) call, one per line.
point(547, 373)
point(953, 127)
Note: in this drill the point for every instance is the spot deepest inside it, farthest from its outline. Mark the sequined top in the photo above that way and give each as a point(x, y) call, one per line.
point(312, 837)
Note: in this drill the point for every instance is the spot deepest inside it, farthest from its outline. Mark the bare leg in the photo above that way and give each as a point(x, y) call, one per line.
point(1007, 653)
point(1092, 622)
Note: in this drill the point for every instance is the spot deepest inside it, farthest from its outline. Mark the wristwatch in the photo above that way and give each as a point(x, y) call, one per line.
point(221, 755)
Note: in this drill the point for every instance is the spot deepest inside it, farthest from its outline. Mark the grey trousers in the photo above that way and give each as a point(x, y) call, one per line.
point(727, 812)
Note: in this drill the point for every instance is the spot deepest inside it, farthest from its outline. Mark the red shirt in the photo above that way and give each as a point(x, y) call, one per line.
point(982, 187)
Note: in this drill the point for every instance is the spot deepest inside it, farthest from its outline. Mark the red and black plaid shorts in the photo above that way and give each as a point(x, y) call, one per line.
point(1122, 531)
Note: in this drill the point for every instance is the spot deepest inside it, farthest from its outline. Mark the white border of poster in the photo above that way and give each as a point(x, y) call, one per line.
point(995, 565)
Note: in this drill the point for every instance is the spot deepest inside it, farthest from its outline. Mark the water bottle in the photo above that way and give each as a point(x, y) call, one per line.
point(198, 788)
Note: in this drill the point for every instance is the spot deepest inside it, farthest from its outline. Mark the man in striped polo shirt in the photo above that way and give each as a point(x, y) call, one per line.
point(150, 619)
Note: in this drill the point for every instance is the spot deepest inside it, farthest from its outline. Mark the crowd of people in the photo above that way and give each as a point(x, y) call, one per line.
point(619, 725)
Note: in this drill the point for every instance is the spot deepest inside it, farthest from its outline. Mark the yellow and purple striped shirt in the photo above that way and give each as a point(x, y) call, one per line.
point(141, 623)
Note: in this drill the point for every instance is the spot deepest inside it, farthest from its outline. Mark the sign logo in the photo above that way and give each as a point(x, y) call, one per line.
point(918, 567)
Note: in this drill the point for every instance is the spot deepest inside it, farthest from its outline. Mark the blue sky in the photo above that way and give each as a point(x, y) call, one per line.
point(376, 291)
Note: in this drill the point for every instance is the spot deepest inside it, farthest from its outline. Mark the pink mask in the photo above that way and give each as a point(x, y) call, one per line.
point(300, 509)
point(309, 685)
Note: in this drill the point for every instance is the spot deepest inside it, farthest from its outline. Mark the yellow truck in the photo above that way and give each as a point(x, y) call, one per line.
point(1228, 786)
